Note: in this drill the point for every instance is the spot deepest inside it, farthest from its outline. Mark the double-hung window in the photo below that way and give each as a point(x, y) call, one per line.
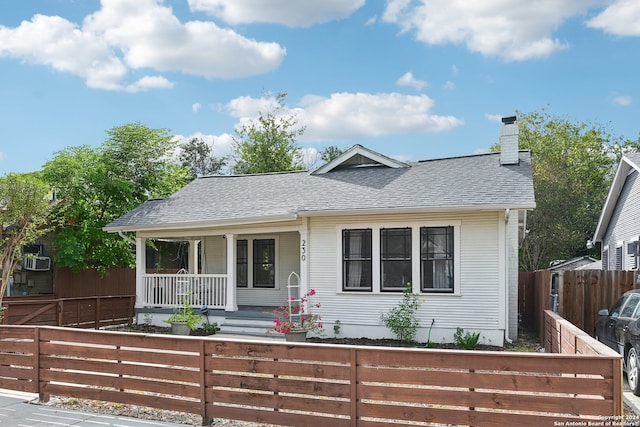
point(242, 263)
point(264, 263)
point(436, 259)
point(356, 260)
point(395, 258)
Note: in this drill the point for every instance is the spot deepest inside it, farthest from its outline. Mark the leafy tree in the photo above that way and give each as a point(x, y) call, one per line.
point(23, 211)
point(573, 164)
point(197, 156)
point(268, 144)
point(96, 186)
point(331, 152)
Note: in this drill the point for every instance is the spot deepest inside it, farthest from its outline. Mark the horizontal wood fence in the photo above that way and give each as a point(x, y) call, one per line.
point(90, 283)
point(581, 294)
point(90, 312)
point(307, 384)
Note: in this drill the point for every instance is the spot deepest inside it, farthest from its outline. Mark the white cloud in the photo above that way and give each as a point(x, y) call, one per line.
point(408, 79)
point(493, 117)
point(222, 145)
point(449, 85)
point(510, 29)
point(622, 100)
point(621, 18)
point(285, 12)
point(454, 70)
point(345, 116)
point(196, 107)
point(124, 35)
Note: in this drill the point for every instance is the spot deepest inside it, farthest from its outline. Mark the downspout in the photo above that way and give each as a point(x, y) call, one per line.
point(507, 212)
point(127, 238)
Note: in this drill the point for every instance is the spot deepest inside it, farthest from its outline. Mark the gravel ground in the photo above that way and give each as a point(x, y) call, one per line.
point(142, 412)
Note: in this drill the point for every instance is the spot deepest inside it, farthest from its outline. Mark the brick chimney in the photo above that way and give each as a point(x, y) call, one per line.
point(509, 141)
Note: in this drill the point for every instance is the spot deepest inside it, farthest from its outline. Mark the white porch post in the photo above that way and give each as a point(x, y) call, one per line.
point(141, 268)
point(231, 304)
point(194, 262)
point(304, 259)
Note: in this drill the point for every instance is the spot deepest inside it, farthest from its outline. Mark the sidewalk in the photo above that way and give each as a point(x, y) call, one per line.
point(17, 409)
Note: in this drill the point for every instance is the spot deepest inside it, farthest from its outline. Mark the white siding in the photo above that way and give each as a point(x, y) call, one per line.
point(476, 308)
point(624, 225)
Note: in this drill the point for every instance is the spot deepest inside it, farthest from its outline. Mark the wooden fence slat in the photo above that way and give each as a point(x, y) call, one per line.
point(283, 385)
point(582, 294)
point(307, 384)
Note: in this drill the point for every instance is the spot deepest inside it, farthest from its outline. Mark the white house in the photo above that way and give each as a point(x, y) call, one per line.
point(618, 229)
point(356, 230)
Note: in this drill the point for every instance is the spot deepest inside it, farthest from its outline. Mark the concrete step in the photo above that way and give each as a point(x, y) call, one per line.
point(249, 327)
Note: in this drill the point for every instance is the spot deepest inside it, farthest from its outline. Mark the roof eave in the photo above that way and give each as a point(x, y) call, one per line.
point(614, 192)
point(419, 209)
point(194, 225)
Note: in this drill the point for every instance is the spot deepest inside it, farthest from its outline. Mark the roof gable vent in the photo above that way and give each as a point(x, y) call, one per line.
point(359, 156)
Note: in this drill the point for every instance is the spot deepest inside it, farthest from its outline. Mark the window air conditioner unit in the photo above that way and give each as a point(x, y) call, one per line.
point(38, 263)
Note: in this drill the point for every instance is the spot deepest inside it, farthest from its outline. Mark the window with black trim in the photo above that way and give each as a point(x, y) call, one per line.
point(264, 263)
point(356, 260)
point(395, 258)
point(436, 259)
point(242, 263)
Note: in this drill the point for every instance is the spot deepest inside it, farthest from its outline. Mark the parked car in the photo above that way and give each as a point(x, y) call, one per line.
point(619, 328)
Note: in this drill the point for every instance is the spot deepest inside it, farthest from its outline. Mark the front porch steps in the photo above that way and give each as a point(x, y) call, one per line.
point(249, 321)
point(247, 327)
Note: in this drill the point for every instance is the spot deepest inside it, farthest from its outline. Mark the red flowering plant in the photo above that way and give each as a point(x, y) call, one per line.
point(293, 317)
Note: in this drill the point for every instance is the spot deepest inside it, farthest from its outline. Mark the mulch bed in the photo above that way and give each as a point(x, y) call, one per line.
point(526, 342)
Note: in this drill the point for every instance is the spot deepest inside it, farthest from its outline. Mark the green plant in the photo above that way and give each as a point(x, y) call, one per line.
point(336, 328)
point(147, 319)
point(401, 319)
point(429, 343)
point(210, 328)
point(467, 340)
point(185, 313)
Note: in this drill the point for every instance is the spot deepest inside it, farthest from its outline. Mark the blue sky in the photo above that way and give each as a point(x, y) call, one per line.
point(412, 79)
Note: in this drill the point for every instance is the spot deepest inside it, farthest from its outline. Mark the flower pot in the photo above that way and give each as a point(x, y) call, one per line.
point(296, 335)
point(180, 328)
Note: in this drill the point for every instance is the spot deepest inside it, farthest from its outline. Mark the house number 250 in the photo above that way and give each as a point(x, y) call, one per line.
point(303, 250)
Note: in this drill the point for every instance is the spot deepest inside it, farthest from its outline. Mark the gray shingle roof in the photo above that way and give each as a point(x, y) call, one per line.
point(472, 182)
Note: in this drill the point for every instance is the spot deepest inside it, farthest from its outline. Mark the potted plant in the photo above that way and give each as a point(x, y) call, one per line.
point(293, 321)
point(184, 319)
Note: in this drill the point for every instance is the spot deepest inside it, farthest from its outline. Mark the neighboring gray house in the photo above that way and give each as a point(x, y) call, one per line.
point(619, 226)
point(356, 230)
point(581, 263)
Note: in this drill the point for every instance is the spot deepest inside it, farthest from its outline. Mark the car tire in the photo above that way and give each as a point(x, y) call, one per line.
point(633, 371)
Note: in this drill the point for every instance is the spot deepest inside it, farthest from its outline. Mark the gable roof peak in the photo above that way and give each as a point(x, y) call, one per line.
point(359, 156)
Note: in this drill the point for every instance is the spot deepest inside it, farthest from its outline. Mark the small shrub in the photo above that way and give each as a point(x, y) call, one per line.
point(210, 328)
point(336, 328)
point(401, 319)
point(147, 319)
point(467, 340)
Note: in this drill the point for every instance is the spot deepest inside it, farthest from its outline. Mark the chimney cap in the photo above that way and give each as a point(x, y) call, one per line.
point(509, 120)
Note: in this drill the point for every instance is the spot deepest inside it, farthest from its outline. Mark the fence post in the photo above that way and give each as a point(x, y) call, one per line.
point(60, 312)
point(98, 313)
point(42, 395)
point(354, 386)
point(206, 420)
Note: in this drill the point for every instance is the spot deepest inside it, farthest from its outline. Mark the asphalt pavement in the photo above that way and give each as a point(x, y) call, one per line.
point(17, 410)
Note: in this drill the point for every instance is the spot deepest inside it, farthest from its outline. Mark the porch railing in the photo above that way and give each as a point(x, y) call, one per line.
point(168, 290)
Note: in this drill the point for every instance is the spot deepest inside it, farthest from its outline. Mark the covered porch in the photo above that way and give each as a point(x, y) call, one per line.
point(244, 268)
